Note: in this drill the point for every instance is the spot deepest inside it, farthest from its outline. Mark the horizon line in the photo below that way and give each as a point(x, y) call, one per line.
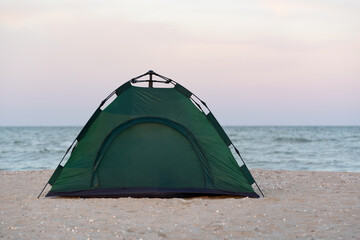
point(241, 125)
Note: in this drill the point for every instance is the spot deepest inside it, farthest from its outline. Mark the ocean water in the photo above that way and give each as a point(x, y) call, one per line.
point(287, 148)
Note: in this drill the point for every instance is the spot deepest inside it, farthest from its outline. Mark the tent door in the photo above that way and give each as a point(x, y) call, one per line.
point(151, 152)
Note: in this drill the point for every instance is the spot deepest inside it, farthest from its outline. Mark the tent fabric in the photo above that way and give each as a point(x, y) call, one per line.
point(152, 142)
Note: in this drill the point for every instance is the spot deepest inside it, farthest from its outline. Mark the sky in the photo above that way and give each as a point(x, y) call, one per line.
point(273, 62)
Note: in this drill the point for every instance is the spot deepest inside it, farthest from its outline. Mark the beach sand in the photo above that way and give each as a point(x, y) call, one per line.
point(298, 204)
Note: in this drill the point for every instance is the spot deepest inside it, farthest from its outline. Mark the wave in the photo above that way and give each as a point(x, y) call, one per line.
point(44, 150)
point(292, 140)
point(291, 148)
point(277, 152)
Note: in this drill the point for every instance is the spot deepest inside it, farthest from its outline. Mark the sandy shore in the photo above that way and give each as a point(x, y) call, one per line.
point(298, 204)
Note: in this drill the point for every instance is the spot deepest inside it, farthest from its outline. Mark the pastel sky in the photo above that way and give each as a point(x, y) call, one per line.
point(271, 62)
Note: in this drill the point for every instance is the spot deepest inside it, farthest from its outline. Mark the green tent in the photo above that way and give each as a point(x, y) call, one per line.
point(151, 142)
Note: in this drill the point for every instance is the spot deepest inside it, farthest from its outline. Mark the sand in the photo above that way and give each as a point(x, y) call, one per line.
point(298, 205)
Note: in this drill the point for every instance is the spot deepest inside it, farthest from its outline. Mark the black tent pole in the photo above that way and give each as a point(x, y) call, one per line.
point(150, 73)
point(238, 153)
point(151, 80)
point(43, 189)
point(58, 165)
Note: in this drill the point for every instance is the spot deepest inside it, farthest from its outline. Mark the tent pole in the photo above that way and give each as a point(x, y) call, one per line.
point(259, 189)
point(151, 80)
point(238, 153)
point(43, 189)
point(58, 165)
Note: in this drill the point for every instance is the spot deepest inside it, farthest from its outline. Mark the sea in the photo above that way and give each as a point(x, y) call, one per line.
point(311, 148)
